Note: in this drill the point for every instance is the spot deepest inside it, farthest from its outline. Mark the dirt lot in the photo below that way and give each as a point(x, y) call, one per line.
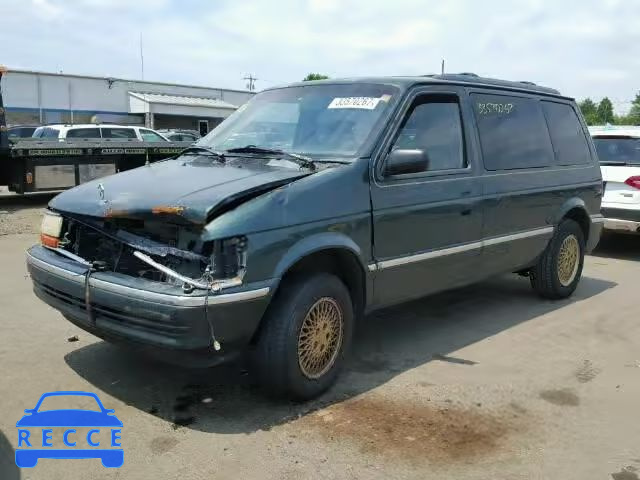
point(486, 382)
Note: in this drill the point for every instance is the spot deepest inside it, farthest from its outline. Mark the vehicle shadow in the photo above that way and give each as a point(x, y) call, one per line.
point(620, 246)
point(225, 399)
point(8, 468)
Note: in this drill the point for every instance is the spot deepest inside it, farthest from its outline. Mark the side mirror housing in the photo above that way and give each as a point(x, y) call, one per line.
point(402, 161)
point(29, 410)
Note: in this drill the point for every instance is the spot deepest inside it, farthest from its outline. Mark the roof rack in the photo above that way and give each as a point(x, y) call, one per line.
point(468, 77)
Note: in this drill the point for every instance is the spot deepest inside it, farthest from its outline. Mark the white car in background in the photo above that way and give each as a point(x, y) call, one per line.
point(94, 131)
point(619, 154)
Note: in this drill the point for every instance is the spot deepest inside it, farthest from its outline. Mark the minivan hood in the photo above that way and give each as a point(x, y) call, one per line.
point(188, 191)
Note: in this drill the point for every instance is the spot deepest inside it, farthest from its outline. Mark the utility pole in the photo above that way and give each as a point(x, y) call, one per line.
point(251, 83)
point(141, 58)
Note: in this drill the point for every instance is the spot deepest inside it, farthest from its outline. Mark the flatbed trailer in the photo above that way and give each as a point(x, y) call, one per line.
point(33, 165)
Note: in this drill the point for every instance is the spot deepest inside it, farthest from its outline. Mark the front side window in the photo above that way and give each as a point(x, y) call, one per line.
point(513, 132)
point(320, 120)
point(46, 132)
point(122, 133)
point(83, 133)
point(617, 149)
point(434, 126)
point(149, 136)
point(567, 136)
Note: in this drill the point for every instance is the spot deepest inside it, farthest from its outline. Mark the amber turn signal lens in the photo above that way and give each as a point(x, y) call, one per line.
point(49, 241)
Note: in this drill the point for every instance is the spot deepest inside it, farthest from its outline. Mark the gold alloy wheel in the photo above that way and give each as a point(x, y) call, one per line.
point(320, 338)
point(568, 260)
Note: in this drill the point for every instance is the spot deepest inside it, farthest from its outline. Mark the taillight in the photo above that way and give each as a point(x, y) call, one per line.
point(633, 181)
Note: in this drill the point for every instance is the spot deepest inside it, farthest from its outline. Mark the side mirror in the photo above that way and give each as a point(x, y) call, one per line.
point(29, 410)
point(402, 161)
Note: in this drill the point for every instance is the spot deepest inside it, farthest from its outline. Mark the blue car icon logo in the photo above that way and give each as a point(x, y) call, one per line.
point(104, 429)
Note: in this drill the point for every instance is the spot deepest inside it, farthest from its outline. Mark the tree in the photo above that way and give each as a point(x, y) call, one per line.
point(605, 111)
point(634, 113)
point(314, 76)
point(589, 111)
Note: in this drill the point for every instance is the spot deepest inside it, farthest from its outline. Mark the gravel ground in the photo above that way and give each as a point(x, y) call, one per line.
point(485, 382)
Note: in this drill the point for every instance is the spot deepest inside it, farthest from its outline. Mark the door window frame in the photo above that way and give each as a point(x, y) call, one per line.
point(397, 122)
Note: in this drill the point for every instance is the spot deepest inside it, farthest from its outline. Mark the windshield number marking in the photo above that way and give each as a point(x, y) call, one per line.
point(364, 103)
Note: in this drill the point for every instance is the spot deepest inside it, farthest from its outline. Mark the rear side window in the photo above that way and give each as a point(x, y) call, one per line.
point(119, 133)
point(83, 133)
point(567, 136)
point(513, 132)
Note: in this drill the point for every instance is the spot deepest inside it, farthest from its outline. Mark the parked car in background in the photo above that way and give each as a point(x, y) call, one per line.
point(619, 155)
point(178, 135)
point(364, 194)
point(96, 131)
point(21, 131)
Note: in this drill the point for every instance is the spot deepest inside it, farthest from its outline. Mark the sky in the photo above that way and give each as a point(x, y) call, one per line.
point(585, 48)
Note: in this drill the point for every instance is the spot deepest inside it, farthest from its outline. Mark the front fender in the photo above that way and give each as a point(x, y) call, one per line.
point(316, 243)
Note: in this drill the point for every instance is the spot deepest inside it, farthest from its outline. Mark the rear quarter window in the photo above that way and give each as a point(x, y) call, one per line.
point(513, 132)
point(567, 136)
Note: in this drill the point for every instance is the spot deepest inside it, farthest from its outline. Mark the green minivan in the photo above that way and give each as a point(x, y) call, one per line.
point(316, 203)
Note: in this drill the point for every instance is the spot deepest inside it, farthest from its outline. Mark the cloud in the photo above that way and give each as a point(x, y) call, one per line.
point(583, 47)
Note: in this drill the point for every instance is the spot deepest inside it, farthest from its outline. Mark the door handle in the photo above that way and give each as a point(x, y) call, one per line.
point(466, 212)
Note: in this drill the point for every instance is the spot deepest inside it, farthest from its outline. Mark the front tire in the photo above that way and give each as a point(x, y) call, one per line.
point(305, 336)
point(559, 268)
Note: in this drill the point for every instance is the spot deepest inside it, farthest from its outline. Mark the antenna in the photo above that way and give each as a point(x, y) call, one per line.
point(141, 58)
point(442, 68)
point(251, 84)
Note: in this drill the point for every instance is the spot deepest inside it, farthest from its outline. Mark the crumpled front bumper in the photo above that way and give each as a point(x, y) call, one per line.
point(154, 316)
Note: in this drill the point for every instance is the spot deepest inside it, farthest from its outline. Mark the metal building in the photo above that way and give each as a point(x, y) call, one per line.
point(36, 98)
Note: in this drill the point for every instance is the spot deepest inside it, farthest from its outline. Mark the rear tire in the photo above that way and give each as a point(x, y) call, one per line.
point(559, 268)
point(305, 336)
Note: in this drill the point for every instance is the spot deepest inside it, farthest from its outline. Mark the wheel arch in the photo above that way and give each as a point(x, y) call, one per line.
point(344, 258)
point(331, 253)
point(576, 210)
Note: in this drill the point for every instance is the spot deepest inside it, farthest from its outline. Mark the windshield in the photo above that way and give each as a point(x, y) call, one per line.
point(323, 120)
point(66, 402)
point(623, 150)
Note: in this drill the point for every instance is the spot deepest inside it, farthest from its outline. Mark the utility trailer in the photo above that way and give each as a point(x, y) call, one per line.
point(32, 165)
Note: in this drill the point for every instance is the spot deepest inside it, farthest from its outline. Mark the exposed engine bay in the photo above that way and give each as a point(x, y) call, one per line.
point(155, 250)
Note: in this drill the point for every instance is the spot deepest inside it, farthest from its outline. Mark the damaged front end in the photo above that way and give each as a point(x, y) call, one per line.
point(149, 249)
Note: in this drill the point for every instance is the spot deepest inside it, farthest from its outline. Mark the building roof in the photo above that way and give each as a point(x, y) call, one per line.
point(126, 80)
point(186, 101)
point(152, 103)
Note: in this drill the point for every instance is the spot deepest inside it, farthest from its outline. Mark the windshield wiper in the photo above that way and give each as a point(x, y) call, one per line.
point(299, 159)
point(203, 151)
